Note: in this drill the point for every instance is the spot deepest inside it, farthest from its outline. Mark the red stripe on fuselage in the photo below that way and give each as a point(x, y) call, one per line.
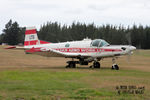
point(86, 50)
point(30, 42)
point(82, 50)
point(33, 31)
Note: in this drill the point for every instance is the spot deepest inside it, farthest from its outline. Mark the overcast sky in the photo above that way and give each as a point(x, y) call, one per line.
point(37, 12)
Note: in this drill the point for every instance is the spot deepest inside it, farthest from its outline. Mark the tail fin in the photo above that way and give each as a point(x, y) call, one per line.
point(31, 37)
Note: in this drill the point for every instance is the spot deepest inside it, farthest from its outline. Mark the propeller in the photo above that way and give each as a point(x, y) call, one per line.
point(130, 52)
point(129, 56)
point(129, 40)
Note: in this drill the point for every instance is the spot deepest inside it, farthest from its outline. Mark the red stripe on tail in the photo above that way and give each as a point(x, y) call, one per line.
point(26, 43)
point(33, 31)
point(31, 37)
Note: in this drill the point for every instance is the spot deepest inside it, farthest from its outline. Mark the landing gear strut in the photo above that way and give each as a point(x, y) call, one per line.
point(114, 66)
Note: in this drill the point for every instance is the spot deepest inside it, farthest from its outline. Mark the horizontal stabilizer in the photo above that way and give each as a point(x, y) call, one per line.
point(15, 47)
point(10, 47)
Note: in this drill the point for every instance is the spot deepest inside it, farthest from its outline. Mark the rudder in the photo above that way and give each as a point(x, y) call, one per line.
point(31, 37)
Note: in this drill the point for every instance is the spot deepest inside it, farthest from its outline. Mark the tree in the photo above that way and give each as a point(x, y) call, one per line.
point(138, 36)
point(12, 34)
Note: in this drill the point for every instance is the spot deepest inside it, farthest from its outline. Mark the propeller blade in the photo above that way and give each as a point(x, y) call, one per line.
point(129, 56)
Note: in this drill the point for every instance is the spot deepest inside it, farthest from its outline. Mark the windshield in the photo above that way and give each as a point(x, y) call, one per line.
point(99, 43)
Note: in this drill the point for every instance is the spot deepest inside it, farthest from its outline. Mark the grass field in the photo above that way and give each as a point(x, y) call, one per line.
point(32, 77)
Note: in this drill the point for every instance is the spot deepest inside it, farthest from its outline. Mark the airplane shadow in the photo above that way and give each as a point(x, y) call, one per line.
point(82, 68)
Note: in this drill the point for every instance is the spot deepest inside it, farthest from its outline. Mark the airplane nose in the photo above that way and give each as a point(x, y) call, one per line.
point(132, 48)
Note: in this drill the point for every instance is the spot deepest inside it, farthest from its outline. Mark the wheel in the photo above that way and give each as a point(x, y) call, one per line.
point(91, 66)
point(72, 65)
point(96, 65)
point(67, 66)
point(116, 67)
point(112, 67)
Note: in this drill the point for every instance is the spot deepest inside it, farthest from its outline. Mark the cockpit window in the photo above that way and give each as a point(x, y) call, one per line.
point(96, 43)
point(67, 45)
point(99, 43)
point(103, 43)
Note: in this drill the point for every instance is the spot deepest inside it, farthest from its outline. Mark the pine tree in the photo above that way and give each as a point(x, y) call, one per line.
point(11, 33)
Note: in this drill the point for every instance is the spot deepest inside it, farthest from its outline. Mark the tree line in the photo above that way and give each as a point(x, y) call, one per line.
point(12, 34)
point(138, 36)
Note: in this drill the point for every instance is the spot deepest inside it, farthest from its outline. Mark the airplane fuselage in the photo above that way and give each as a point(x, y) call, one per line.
point(85, 47)
point(85, 51)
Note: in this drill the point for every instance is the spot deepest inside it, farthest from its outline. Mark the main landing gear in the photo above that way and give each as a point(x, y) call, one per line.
point(114, 66)
point(96, 64)
point(71, 64)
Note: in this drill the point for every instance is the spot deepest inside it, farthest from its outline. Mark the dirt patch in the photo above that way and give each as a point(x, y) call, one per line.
point(17, 59)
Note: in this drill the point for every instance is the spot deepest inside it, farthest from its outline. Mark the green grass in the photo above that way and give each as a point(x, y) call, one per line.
point(39, 83)
point(144, 53)
point(32, 77)
point(45, 84)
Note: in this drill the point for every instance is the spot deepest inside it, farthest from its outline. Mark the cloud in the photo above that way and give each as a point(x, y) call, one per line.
point(37, 12)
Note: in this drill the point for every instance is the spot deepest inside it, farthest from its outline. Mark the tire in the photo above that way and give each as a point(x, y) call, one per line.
point(72, 65)
point(67, 66)
point(96, 65)
point(116, 67)
point(112, 68)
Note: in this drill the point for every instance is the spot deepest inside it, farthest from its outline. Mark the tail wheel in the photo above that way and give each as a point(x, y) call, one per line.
point(96, 65)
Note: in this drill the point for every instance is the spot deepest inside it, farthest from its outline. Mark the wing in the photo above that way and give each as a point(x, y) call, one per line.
point(53, 53)
point(15, 47)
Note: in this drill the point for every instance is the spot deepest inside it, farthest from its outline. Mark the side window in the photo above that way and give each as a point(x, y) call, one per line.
point(95, 43)
point(67, 45)
point(101, 44)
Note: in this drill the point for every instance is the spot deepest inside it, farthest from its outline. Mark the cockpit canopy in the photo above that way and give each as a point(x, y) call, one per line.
point(99, 43)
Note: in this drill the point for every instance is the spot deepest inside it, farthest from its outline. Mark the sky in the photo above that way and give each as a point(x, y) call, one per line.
point(37, 12)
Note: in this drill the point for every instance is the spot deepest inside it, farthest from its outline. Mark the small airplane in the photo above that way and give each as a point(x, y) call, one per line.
point(84, 51)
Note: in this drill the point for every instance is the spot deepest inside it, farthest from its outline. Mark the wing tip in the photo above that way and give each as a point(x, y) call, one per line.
point(10, 47)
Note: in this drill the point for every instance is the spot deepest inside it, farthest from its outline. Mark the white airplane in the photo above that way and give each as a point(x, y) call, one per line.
point(85, 51)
